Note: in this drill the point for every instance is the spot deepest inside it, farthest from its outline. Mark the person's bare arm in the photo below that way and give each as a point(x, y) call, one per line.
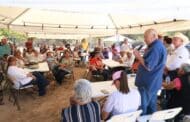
point(105, 115)
point(73, 101)
point(168, 86)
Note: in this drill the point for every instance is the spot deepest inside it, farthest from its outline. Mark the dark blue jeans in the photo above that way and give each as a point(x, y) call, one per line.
point(148, 101)
point(40, 81)
point(104, 73)
point(59, 75)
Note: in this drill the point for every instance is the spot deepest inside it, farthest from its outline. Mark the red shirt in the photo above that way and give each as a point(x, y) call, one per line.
point(97, 62)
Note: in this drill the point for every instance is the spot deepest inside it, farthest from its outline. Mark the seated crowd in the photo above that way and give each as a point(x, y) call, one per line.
point(84, 108)
point(126, 100)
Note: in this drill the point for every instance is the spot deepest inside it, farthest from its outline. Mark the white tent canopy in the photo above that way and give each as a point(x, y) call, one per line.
point(93, 17)
point(118, 38)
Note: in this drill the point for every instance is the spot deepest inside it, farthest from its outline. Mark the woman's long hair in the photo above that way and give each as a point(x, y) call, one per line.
point(124, 88)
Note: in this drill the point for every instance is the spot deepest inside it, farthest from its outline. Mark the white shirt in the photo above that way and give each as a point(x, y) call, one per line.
point(125, 47)
point(177, 58)
point(119, 103)
point(18, 76)
point(31, 57)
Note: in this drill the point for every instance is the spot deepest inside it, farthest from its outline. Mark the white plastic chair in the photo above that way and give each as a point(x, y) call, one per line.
point(146, 118)
point(161, 116)
point(128, 117)
point(165, 114)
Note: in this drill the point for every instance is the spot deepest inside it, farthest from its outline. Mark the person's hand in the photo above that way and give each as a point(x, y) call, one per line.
point(164, 84)
point(62, 66)
point(168, 86)
point(29, 75)
point(137, 54)
point(120, 61)
point(33, 77)
point(73, 101)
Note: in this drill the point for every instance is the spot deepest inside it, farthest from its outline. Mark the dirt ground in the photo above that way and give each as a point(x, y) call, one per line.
point(40, 109)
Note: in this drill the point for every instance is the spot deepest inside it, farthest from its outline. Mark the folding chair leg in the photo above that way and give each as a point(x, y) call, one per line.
point(73, 77)
point(15, 99)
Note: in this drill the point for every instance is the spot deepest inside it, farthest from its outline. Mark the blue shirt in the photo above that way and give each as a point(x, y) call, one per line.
point(5, 49)
point(150, 77)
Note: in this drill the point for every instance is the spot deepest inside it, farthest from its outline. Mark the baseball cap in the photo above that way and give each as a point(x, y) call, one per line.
point(116, 75)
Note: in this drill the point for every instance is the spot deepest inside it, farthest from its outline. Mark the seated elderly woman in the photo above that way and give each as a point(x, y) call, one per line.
point(22, 78)
point(124, 100)
point(97, 67)
point(83, 108)
point(180, 88)
point(65, 67)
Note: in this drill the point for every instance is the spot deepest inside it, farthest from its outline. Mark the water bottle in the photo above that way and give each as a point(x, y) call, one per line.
point(168, 79)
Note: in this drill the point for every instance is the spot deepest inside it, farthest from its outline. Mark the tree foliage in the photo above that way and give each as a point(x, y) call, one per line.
point(12, 34)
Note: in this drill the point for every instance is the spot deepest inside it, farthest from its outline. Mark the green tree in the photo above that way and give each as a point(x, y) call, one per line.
point(12, 35)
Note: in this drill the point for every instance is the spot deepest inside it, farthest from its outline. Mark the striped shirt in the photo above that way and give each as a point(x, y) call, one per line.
point(82, 113)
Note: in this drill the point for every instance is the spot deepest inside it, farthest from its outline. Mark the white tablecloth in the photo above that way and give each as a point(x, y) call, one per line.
point(112, 64)
point(43, 67)
point(98, 87)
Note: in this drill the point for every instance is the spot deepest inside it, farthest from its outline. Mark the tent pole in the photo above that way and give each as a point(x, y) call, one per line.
point(23, 12)
point(113, 22)
point(90, 39)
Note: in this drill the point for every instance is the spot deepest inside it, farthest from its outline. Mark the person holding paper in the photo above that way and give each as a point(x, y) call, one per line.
point(21, 78)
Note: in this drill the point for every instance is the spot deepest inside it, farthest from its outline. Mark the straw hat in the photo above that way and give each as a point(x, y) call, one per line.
point(182, 37)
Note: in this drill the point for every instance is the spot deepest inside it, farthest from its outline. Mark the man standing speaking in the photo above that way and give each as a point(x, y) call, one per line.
point(150, 71)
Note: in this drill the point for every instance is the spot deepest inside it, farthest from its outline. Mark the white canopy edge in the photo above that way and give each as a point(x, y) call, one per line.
point(119, 38)
point(161, 28)
point(40, 21)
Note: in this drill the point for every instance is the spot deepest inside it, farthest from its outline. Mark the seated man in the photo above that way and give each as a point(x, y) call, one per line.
point(22, 78)
point(82, 108)
point(97, 67)
point(180, 88)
